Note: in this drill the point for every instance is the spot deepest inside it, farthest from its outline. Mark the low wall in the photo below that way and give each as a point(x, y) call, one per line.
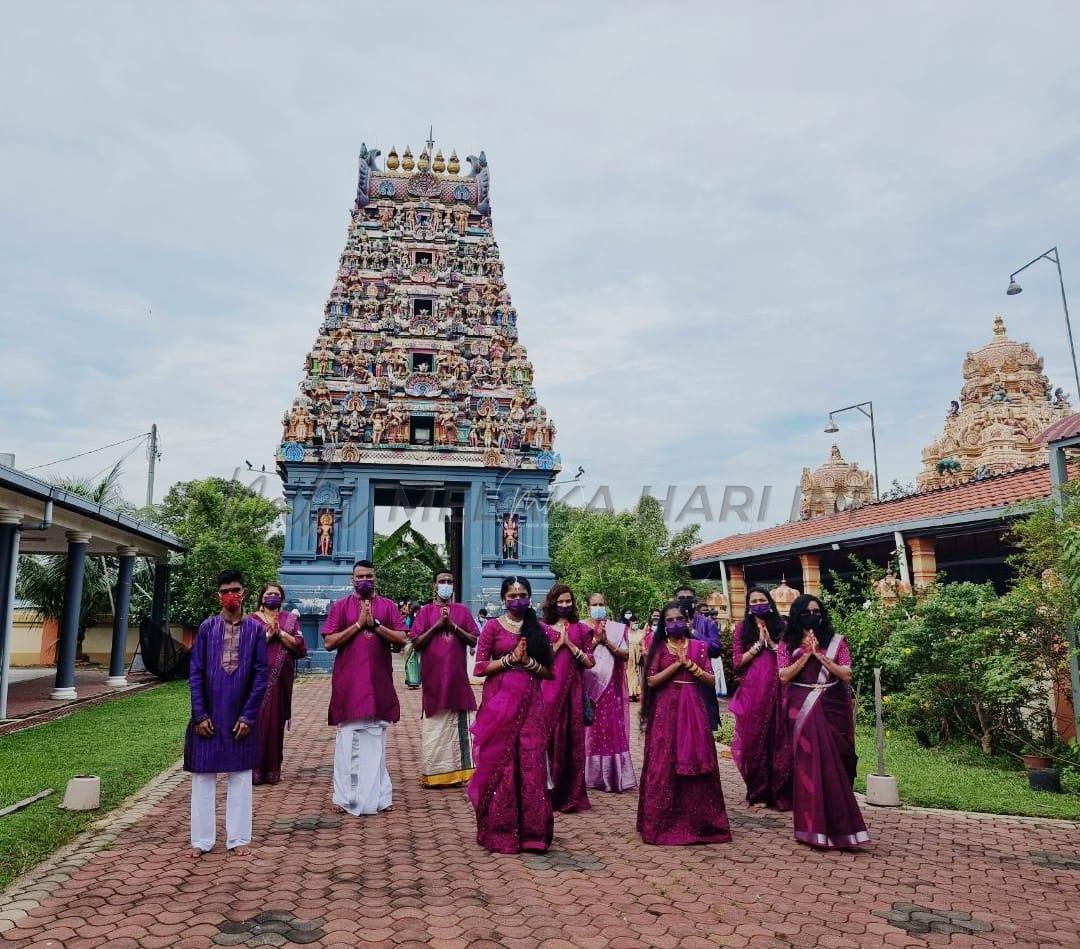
point(34, 640)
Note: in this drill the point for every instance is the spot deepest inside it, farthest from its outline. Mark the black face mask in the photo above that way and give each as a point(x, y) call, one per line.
point(811, 621)
point(686, 604)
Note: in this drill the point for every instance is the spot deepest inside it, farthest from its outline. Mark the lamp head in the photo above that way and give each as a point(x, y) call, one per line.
point(1014, 288)
point(831, 426)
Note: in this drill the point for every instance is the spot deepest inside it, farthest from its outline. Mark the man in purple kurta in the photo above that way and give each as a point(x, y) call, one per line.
point(701, 627)
point(227, 679)
point(442, 632)
point(365, 630)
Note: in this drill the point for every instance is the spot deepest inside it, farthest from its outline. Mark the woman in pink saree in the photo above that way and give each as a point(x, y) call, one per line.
point(564, 696)
point(680, 800)
point(284, 645)
point(761, 746)
point(607, 740)
point(509, 790)
point(815, 670)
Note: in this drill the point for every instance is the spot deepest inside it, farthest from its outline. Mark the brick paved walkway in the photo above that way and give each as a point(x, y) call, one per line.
point(414, 877)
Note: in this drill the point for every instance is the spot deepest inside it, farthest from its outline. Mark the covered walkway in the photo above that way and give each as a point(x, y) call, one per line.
point(39, 518)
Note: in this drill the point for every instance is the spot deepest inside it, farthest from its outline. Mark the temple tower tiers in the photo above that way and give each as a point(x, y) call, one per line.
point(837, 485)
point(417, 392)
point(1006, 401)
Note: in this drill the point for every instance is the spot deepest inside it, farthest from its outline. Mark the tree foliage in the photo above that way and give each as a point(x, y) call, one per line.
point(405, 562)
point(223, 524)
point(629, 556)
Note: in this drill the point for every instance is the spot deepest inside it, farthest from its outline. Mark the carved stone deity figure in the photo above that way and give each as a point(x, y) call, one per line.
point(510, 537)
point(378, 427)
point(397, 364)
point(386, 216)
point(326, 533)
point(447, 431)
point(397, 424)
point(497, 350)
point(488, 432)
point(461, 219)
point(300, 424)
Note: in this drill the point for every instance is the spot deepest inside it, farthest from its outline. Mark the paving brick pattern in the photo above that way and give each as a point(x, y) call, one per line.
point(414, 876)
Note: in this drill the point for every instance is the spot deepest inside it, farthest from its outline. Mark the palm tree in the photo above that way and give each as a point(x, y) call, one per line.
point(41, 576)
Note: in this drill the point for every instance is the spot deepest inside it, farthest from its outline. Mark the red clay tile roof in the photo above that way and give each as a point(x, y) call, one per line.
point(971, 496)
point(1068, 427)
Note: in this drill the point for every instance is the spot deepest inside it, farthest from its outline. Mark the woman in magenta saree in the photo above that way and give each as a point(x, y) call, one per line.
point(564, 696)
point(761, 746)
point(284, 645)
point(815, 670)
point(509, 790)
point(607, 740)
point(680, 800)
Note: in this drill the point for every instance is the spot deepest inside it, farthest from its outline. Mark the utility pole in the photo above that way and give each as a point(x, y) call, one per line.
point(153, 461)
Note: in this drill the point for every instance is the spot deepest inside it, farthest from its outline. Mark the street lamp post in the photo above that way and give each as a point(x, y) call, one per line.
point(867, 409)
point(1014, 288)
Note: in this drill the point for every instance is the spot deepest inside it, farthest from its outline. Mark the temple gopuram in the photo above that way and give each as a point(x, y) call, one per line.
point(990, 459)
point(416, 393)
point(1005, 403)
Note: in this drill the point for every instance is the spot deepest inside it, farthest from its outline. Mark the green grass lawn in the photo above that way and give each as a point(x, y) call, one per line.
point(959, 777)
point(125, 741)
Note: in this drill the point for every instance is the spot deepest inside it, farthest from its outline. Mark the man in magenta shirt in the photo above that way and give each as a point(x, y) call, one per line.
point(365, 630)
point(442, 632)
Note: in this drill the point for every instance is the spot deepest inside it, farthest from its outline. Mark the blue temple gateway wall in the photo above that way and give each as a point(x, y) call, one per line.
point(314, 577)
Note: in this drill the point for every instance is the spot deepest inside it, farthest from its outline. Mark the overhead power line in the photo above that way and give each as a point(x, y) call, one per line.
point(92, 451)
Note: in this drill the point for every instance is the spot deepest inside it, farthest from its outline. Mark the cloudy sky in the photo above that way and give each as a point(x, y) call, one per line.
point(719, 221)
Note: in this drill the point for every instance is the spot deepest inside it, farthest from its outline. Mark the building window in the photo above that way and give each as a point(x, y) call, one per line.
point(423, 362)
point(423, 257)
point(422, 307)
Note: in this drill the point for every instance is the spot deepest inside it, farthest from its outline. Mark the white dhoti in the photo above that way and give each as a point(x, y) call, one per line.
point(446, 756)
point(361, 781)
point(721, 679)
point(237, 810)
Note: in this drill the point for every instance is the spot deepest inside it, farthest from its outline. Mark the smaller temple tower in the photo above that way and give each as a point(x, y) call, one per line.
point(837, 485)
point(1005, 403)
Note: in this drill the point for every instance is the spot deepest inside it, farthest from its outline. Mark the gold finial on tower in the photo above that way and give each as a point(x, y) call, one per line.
point(392, 160)
point(439, 166)
point(455, 166)
point(423, 163)
point(407, 160)
point(999, 325)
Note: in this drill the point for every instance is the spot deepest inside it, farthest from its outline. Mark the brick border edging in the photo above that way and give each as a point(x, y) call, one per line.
point(27, 891)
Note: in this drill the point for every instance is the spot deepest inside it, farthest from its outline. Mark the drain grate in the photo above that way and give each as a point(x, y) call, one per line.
point(1057, 861)
point(923, 919)
point(270, 928)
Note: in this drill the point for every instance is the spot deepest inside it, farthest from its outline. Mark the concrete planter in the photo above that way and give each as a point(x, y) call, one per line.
point(83, 793)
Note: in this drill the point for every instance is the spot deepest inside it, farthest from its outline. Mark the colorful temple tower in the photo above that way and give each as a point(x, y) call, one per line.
point(417, 393)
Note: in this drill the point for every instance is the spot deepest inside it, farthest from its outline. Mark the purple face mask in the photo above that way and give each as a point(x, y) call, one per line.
point(364, 588)
point(564, 611)
point(676, 628)
point(272, 601)
point(517, 605)
point(760, 609)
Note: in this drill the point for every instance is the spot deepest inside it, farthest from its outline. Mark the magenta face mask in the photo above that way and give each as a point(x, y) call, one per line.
point(564, 611)
point(760, 609)
point(676, 628)
point(364, 588)
point(272, 601)
point(518, 605)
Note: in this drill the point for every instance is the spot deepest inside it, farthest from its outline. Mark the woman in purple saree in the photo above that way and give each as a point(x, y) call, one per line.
point(564, 696)
point(680, 800)
point(509, 790)
point(761, 746)
point(284, 645)
point(607, 740)
point(815, 670)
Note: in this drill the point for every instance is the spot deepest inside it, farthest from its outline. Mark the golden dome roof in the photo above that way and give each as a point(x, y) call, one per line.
point(392, 160)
